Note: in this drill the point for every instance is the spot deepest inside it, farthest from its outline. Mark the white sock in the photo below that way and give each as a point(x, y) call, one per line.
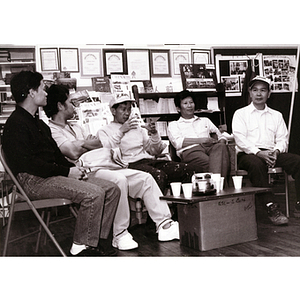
point(75, 249)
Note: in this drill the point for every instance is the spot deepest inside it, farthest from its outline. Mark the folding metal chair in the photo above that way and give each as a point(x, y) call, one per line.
point(21, 202)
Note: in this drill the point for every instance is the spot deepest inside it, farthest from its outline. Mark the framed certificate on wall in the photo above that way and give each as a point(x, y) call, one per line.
point(69, 59)
point(160, 63)
point(114, 61)
point(91, 62)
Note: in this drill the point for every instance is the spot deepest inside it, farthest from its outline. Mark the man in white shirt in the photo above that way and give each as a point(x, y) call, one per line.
point(197, 140)
point(261, 140)
point(140, 145)
point(73, 141)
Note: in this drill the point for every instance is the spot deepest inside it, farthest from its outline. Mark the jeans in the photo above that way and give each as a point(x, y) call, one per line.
point(98, 201)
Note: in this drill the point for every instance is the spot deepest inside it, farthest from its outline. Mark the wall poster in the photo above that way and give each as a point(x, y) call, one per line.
point(281, 70)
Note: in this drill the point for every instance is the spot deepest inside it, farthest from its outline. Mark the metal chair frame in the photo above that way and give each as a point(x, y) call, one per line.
point(21, 202)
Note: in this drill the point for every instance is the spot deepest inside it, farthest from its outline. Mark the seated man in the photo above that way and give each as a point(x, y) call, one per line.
point(140, 144)
point(191, 137)
point(44, 172)
point(261, 141)
point(73, 142)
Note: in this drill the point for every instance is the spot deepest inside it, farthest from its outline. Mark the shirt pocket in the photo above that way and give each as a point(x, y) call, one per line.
point(253, 128)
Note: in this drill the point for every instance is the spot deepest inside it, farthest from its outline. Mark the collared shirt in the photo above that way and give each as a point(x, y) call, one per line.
point(30, 148)
point(255, 129)
point(65, 133)
point(196, 127)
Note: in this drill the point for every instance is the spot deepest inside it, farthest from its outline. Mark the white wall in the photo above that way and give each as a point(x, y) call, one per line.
point(158, 82)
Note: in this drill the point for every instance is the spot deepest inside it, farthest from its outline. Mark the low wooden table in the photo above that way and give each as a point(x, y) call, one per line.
point(213, 221)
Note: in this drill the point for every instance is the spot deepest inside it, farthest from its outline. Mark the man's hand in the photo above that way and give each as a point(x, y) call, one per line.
point(269, 157)
point(77, 173)
point(208, 141)
point(132, 123)
point(151, 127)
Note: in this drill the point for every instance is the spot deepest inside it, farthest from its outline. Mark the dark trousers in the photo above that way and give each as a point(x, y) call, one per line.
point(164, 171)
point(258, 170)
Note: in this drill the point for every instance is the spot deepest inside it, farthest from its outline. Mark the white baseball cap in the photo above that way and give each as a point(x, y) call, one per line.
point(259, 78)
point(118, 100)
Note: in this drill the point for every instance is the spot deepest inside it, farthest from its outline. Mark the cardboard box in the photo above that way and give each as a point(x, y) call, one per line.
point(218, 223)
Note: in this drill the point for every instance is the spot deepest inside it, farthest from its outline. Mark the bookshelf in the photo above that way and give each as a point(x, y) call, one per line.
point(13, 59)
point(160, 107)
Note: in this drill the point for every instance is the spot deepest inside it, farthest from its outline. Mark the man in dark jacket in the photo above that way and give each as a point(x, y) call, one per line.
point(43, 171)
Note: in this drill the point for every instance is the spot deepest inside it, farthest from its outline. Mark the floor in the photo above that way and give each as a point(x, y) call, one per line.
point(279, 241)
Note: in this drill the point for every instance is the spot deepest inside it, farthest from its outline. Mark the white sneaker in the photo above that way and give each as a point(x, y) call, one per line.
point(125, 242)
point(169, 234)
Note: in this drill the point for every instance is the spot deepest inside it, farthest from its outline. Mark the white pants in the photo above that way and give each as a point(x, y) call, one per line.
point(136, 184)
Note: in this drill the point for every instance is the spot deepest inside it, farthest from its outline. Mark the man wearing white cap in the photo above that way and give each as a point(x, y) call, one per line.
point(74, 143)
point(261, 138)
point(140, 144)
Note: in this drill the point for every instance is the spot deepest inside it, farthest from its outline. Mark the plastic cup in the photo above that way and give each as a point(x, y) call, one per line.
point(176, 188)
point(216, 178)
point(221, 183)
point(237, 181)
point(187, 189)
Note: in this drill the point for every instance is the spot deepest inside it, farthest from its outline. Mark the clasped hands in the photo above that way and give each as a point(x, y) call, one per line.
point(77, 173)
point(269, 157)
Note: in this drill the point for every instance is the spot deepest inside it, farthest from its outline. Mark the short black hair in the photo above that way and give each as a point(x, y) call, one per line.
point(56, 93)
point(23, 82)
point(182, 95)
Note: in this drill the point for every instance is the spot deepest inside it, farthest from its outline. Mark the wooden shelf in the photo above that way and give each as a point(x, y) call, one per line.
point(17, 63)
point(156, 96)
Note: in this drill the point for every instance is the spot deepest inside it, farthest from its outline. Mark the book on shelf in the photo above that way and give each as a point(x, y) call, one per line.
point(101, 84)
point(163, 106)
point(21, 56)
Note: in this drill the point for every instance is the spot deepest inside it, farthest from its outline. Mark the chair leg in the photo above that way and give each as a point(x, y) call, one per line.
point(139, 211)
point(47, 223)
point(286, 179)
point(11, 213)
point(39, 234)
point(73, 211)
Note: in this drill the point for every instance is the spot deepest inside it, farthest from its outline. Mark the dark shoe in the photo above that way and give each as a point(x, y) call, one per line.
point(276, 216)
point(108, 252)
point(89, 251)
point(297, 210)
point(105, 247)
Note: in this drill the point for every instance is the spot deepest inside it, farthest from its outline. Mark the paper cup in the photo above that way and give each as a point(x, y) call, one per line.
point(176, 188)
point(216, 178)
point(237, 181)
point(221, 183)
point(187, 189)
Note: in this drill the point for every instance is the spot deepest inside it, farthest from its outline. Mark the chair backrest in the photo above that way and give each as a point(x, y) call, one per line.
point(172, 152)
point(11, 175)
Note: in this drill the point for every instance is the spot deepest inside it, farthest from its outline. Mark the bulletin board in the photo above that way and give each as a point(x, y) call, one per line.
point(278, 64)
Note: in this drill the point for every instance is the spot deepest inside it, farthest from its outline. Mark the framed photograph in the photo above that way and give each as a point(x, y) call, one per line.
point(160, 63)
point(91, 63)
point(198, 77)
point(201, 56)
point(180, 57)
point(114, 61)
point(280, 69)
point(49, 59)
point(69, 60)
point(138, 64)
